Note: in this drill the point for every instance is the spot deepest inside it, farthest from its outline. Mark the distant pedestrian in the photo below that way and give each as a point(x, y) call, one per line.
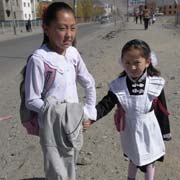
point(153, 18)
point(142, 124)
point(146, 17)
point(60, 128)
point(140, 16)
point(136, 15)
point(29, 26)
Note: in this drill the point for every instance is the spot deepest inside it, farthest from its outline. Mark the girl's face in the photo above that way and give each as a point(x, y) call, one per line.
point(134, 64)
point(61, 32)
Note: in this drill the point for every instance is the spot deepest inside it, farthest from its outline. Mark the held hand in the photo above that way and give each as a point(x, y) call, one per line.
point(86, 124)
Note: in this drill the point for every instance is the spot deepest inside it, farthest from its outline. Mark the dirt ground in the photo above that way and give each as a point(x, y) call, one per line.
point(20, 154)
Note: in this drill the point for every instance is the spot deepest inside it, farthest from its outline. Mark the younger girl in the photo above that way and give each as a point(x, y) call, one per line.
point(134, 90)
point(59, 28)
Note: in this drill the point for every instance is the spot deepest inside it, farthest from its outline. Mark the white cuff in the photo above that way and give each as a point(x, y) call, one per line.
point(90, 111)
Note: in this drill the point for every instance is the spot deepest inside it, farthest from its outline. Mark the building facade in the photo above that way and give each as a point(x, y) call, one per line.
point(19, 9)
point(137, 2)
point(169, 9)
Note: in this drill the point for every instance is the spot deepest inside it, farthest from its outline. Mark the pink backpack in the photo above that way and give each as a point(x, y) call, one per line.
point(29, 119)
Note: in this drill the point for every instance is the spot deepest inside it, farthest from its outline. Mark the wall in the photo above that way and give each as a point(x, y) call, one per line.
point(169, 9)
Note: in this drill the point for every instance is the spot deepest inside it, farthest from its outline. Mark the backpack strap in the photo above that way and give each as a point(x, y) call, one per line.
point(49, 79)
point(119, 118)
point(157, 103)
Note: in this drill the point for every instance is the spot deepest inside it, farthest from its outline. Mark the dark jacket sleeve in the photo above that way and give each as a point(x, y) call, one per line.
point(163, 118)
point(106, 104)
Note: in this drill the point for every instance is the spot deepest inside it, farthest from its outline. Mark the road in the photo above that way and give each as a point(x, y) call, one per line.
point(13, 53)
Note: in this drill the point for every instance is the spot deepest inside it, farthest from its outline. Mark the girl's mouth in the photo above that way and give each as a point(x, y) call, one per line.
point(67, 42)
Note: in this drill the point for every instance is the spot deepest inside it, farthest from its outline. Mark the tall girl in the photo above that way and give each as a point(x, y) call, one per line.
point(56, 51)
point(134, 91)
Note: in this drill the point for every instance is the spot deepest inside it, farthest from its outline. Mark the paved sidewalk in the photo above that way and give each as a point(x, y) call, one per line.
point(4, 36)
point(10, 35)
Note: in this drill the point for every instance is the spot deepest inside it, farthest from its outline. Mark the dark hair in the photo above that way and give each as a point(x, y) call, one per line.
point(51, 13)
point(145, 50)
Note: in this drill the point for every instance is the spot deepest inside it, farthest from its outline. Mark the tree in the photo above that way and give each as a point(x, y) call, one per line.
point(86, 8)
point(98, 11)
point(41, 9)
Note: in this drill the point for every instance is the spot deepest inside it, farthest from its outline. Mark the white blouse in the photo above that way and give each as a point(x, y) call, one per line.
point(70, 68)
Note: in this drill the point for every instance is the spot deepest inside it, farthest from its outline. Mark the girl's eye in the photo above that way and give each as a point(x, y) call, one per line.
point(73, 28)
point(137, 62)
point(62, 28)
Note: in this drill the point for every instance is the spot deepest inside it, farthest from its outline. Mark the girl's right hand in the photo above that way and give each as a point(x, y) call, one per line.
point(86, 124)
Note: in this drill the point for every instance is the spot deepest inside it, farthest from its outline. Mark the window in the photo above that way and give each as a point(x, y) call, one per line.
point(25, 15)
point(24, 4)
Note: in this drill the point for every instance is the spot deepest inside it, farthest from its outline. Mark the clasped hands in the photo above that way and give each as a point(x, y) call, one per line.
point(87, 123)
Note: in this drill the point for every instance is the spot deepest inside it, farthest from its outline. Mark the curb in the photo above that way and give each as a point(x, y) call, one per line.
point(10, 35)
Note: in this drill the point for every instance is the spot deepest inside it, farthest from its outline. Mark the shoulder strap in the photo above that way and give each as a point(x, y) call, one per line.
point(49, 79)
point(157, 103)
point(119, 118)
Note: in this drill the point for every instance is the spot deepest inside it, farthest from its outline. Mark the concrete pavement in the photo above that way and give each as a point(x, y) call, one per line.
point(4, 36)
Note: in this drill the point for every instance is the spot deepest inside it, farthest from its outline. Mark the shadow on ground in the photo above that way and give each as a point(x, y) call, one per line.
point(142, 29)
point(34, 178)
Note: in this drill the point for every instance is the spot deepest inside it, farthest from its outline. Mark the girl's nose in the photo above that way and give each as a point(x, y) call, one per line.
point(133, 67)
point(68, 33)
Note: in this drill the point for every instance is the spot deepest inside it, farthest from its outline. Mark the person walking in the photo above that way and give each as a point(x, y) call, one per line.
point(29, 26)
point(136, 15)
point(140, 16)
point(146, 17)
point(59, 111)
point(153, 18)
point(134, 92)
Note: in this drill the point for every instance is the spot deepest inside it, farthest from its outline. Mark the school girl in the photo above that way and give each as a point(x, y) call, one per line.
point(56, 51)
point(135, 92)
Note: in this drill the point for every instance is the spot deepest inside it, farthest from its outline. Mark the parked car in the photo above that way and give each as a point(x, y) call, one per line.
point(104, 19)
point(159, 14)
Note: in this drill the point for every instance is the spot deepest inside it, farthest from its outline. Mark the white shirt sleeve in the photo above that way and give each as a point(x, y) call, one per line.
point(87, 82)
point(34, 81)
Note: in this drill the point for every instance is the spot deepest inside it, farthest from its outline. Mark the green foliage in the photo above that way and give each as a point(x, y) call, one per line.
point(98, 11)
point(86, 9)
point(40, 9)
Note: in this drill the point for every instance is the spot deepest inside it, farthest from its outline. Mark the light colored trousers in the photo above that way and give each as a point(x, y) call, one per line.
point(60, 164)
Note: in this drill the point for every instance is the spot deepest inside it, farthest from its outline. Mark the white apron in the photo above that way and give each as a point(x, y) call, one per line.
point(141, 139)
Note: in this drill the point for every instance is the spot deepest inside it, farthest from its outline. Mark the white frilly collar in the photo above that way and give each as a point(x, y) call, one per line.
point(53, 59)
point(156, 84)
